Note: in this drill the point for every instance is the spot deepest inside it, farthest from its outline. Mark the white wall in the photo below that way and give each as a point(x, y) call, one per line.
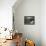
point(6, 13)
point(43, 22)
point(23, 10)
point(29, 8)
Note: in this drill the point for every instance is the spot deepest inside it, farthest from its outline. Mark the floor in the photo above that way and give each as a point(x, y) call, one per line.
point(9, 43)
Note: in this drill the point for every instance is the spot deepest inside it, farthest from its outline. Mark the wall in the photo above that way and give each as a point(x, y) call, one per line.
point(6, 13)
point(43, 22)
point(28, 8)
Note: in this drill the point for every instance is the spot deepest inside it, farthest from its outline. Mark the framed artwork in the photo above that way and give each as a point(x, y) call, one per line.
point(29, 20)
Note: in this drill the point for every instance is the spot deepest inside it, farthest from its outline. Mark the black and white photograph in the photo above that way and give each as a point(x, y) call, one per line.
point(29, 20)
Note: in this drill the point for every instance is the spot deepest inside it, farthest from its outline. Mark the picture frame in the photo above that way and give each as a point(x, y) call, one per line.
point(29, 20)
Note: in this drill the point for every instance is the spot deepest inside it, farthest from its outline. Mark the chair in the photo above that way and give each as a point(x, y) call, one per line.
point(29, 43)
